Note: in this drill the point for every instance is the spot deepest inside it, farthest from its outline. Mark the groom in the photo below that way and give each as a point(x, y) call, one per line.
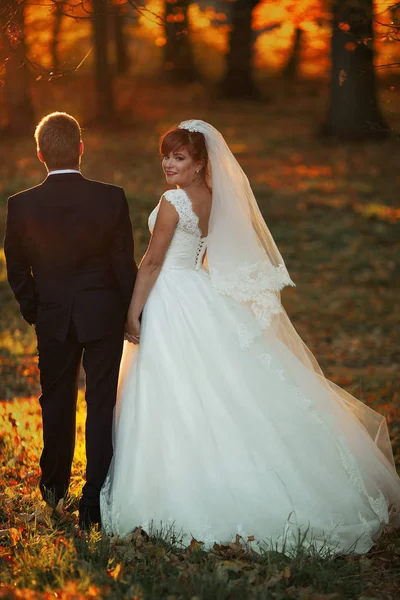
point(69, 255)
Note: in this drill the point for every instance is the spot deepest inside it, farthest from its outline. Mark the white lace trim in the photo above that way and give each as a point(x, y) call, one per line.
point(255, 285)
point(250, 280)
point(188, 220)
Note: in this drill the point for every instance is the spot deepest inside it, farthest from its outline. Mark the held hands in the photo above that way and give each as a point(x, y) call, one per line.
point(132, 329)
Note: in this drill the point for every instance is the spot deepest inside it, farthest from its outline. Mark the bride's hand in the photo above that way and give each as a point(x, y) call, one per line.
point(132, 329)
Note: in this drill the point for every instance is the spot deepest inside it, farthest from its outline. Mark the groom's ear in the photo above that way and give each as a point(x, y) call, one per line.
point(40, 156)
point(81, 148)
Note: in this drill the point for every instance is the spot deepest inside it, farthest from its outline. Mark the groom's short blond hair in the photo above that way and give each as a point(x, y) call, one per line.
point(58, 136)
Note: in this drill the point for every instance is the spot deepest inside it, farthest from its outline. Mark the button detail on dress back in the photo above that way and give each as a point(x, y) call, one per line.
point(199, 254)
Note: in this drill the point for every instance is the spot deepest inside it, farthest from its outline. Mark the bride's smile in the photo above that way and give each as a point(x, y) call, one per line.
point(180, 168)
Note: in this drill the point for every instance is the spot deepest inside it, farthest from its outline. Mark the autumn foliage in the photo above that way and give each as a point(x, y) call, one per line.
point(334, 212)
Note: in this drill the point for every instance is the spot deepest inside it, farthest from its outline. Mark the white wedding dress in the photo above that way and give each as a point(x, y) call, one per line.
point(220, 437)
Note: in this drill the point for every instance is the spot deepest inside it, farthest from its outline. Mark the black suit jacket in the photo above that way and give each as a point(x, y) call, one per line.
point(69, 255)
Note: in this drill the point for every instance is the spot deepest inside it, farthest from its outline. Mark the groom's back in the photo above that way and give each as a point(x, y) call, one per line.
point(76, 236)
point(67, 224)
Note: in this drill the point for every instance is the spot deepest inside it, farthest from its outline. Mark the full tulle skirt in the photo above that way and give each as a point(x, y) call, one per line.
point(215, 438)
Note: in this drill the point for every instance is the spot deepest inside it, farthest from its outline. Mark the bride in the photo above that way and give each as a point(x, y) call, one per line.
point(224, 422)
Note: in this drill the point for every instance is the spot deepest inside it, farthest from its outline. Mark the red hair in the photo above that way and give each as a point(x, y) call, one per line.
point(194, 141)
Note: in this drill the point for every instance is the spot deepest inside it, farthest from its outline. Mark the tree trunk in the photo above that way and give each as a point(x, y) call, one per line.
point(353, 111)
point(291, 69)
point(58, 15)
point(104, 86)
point(238, 81)
point(121, 50)
point(178, 52)
point(19, 107)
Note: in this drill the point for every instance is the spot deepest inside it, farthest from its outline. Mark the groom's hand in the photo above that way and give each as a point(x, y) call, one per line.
point(132, 330)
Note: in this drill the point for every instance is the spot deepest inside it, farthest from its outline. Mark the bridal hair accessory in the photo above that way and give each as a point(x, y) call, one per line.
point(191, 128)
point(246, 265)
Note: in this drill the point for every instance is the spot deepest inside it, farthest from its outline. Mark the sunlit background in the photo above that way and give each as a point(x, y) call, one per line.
point(329, 192)
point(274, 24)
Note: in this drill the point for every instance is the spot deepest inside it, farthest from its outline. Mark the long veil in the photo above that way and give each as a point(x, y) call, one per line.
point(245, 264)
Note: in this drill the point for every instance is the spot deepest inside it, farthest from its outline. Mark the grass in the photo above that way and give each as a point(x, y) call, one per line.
point(333, 211)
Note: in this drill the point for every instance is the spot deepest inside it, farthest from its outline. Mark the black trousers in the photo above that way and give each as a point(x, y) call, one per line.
point(59, 364)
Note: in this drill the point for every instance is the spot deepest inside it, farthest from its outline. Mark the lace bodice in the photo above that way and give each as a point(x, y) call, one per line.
point(187, 247)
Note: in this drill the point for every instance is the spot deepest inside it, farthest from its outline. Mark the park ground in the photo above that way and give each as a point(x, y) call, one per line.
point(334, 211)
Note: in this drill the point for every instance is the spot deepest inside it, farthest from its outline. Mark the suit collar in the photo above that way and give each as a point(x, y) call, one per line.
point(63, 177)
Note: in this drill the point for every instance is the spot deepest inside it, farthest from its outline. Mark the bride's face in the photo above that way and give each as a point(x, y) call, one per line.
point(179, 167)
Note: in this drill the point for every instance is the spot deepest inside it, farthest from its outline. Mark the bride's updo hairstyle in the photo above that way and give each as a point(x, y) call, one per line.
point(194, 141)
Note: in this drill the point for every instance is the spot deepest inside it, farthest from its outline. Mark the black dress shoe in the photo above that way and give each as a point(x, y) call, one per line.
point(88, 516)
point(50, 496)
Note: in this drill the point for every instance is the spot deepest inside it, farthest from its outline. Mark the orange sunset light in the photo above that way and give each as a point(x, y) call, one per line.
point(274, 24)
